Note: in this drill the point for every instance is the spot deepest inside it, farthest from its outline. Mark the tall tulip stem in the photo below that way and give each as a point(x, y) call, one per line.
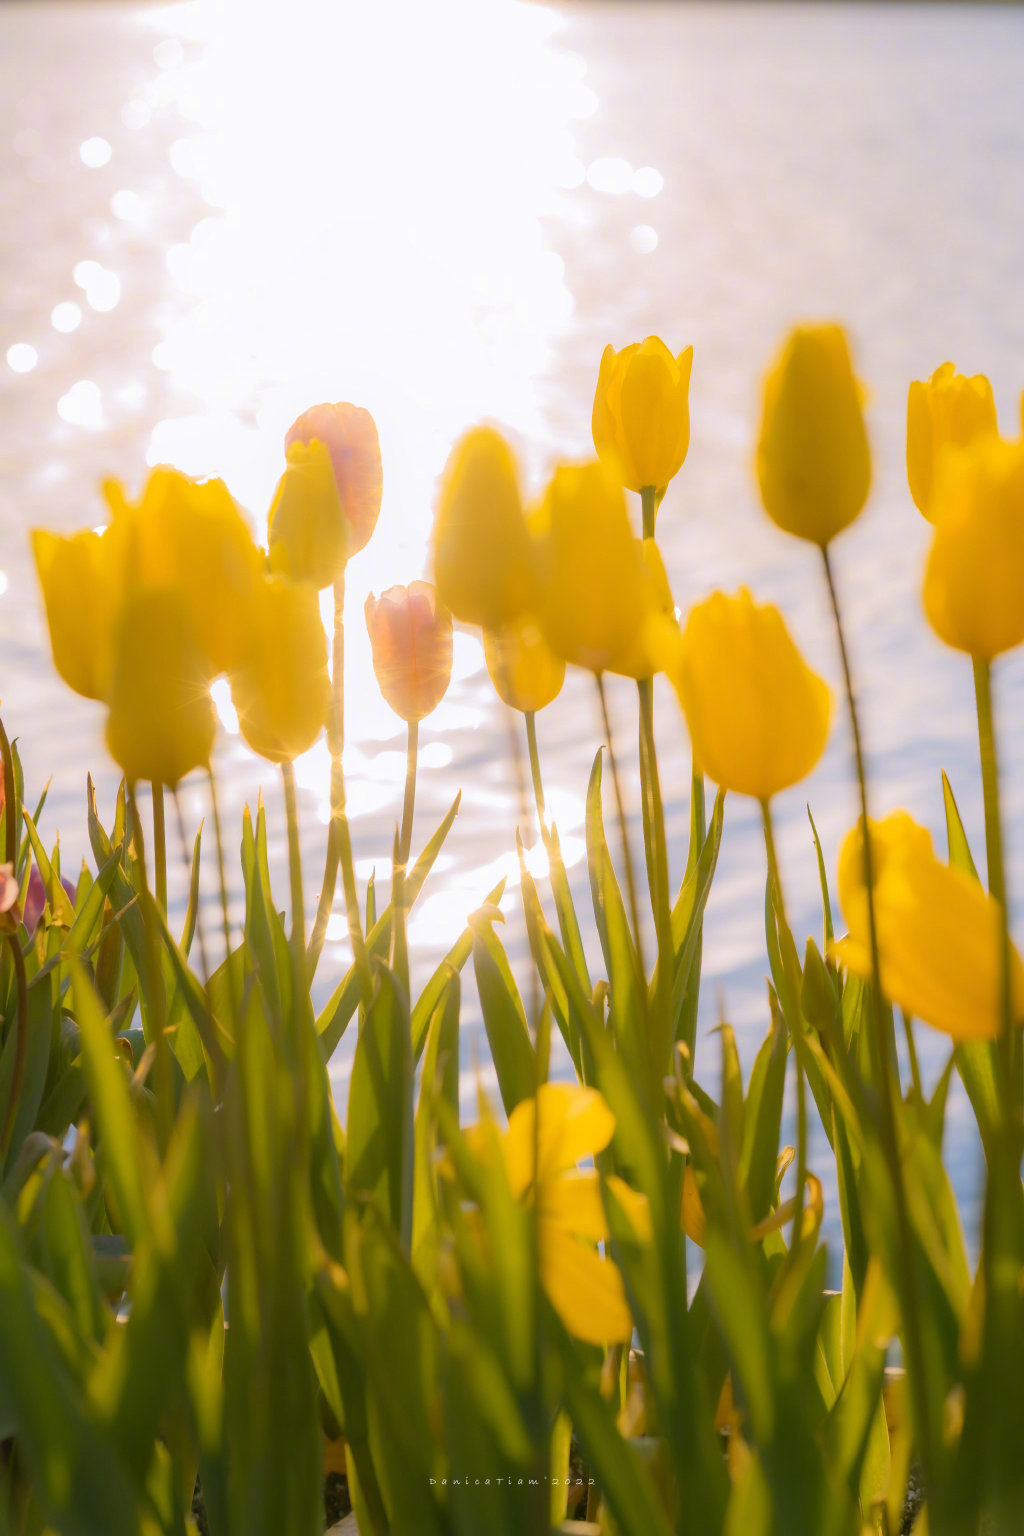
point(291, 810)
point(1009, 1047)
point(538, 782)
point(160, 845)
point(154, 980)
point(793, 986)
point(634, 911)
point(336, 745)
point(402, 850)
point(409, 803)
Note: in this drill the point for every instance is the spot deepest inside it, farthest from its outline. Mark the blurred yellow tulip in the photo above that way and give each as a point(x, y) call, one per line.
point(599, 607)
point(939, 933)
point(411, 639)
point(161, 722)
point(974, 575)
point(281, 688)
point(350, 435)
point(81, 584)
point(758, 716)
point(484, 562)
point(306, 527)
point(641, 417)
point(190, 535)
point(948, 410)
point(524, 670)
point(813, 460)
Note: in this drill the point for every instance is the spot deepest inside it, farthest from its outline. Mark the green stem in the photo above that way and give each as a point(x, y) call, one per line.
point(538, 782)
point(291, 810)
point(403, 845)
point(1010, 1056)
point(634, 911)
point(657, 862)
point(882, 1048)
point(793, 985)
point(20, 1042)
point(409, 803)
point(154, 981)
point(160, 846)
point(649, 509)
point(10, 802)
point(224, 905)
point(336, 744)
point(186, 864)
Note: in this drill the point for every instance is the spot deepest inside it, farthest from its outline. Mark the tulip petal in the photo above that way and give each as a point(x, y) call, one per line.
point(585, 1289)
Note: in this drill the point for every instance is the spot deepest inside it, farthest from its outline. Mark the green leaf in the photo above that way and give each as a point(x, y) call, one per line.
point(960, 856)
point(826, 904)
point(504, 1017)
point(379, 1151)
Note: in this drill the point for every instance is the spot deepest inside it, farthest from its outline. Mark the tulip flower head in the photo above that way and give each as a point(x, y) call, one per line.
point(813, 460)
point(600, 607)
point(641, 417)
point(949, 410)
point(939, 932)
point(349, 433)
point(484, 562)
point(758, 716)
point(410, 633)
point(307, 529)
point(524, 670)
point(281, 688)
point(81, 584)
point(974, 575)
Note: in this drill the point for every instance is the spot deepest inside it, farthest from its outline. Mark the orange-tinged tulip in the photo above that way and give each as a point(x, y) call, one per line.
point(410, 633)
point(307, 529)
point(350, 435)
point(758, 716)
point(81, 584)
point(281, 688)
point(484, 559)
point(813, 459)
point(949, 410)
point(641, 417)
point(939, 933)
point(161, 722)
point(974, 576)
point(524, 670)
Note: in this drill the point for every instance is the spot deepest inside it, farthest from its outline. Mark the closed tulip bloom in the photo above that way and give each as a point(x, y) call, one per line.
point(80, 581)
point(597, 593)
point(939, 933)
point(758, 716)
point(161, 723)
point(410, 633)
point(813, 460)
point(190, 535)
point(525, 672)
point(974, 575)
point(306, 527)
point(281, 688)
point(641, 418)
point(350, 435)
point(948, 411)
point(484, 563)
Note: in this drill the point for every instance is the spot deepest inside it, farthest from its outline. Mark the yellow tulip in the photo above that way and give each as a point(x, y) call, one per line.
point(524, 670)
point(81, 586)
point(484, 564)
point(562, 1126)
point(190, 535)
point(813, 460)
point(939, 933)
point(949, 410)
point(599, 604)
point(758, 716)
point(411, 640)
point(161, 722)
point(350, 435)
point(281, 688)
point(974, 575)
point(307, 529)
point(641, 417)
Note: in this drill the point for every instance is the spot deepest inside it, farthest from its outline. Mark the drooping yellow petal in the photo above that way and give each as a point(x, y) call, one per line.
point(585, 1289)
point(573, 1123)
point(573, 1202)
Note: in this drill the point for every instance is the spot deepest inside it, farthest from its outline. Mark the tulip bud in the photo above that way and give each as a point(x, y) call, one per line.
point(974, 575)
point(281, 688)
point(161, 722)
point(525, 673)
point(307, 527)
point(350, 435)
point(484, 560)
point(758, 716)
point(641, 417)
point(190, 535)
point(597, 594)
point(80, 583)
point(939, 933)
point(813, 460)
point(411, 638)
point(948, 411)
